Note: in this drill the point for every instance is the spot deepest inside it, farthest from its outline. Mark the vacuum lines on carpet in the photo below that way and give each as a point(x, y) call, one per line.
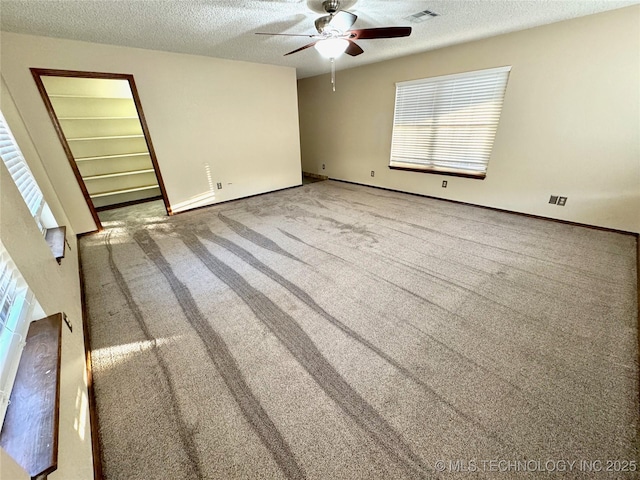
point(337, 331)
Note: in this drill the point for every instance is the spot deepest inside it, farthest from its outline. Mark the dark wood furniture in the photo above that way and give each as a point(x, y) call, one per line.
point(30, 431)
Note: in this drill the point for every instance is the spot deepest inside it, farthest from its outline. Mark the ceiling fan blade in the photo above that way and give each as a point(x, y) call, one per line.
point(342, 21)
point(301, 48)
point(353, 49)
point(287, 34)
point(383, 32)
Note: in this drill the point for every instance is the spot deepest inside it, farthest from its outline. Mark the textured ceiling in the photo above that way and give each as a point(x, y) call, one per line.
point(225, 28)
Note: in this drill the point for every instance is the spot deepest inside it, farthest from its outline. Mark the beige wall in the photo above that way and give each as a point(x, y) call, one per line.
point(57, 289)
point(570, 124)
point(211, 120)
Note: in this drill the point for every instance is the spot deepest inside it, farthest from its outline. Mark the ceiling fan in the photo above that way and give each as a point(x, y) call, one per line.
point(334, 36)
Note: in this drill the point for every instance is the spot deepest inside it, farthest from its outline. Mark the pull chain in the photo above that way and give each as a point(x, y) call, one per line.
point(333, 73)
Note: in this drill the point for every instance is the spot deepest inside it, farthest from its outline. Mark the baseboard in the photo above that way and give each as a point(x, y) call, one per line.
point(315, 175)
point(127, 204)
point(495, 209)
point(93, 412)
point(638, 302)
point(235, 199)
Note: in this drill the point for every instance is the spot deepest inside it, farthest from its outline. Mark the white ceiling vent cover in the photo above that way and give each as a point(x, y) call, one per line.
point(422, 16)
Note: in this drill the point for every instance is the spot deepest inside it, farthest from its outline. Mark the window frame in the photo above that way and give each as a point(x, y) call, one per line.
point(24, 179)
point(469, 102)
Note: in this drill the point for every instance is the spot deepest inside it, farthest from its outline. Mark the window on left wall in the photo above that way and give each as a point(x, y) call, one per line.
point(18, 307)
point(24, 179)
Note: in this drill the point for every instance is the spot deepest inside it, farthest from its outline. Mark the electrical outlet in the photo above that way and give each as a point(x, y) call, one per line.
point(562, 201)
point(553, 199)
point(444, 184)
point(219, 186)
point(323, 166)
point(373, 174)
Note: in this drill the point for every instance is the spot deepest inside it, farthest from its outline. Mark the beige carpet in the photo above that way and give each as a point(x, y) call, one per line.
point(334, 331)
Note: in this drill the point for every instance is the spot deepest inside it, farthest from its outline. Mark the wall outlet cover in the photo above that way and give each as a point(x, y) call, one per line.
point(444, 184)
point(373, 173)
point(562, 201)
point(553, 199)
point(219, 186)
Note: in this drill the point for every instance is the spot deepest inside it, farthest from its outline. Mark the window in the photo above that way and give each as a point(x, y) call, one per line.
point(17, 308)
point(447, 124)
point(23, 178)
point(17, 304)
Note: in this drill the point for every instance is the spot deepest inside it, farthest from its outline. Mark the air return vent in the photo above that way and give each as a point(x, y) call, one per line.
point(421, 16)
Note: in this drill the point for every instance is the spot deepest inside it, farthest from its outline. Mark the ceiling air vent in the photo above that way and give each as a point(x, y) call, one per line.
point(421, 16)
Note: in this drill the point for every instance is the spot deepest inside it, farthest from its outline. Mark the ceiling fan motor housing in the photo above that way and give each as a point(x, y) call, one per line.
point(331, 6)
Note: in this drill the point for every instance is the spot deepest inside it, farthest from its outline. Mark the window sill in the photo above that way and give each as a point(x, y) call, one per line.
point(437, 171)
point(56, 239)
point(30, 431)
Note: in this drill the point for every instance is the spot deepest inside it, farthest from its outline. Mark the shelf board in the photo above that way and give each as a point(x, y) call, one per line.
point(126, 190)
point(102, 97)
point(110, 137)
point(119, 174)
point(107, 157)
point(99, 118)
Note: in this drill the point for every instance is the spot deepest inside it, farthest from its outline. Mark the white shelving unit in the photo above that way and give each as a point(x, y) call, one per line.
point(101, 125)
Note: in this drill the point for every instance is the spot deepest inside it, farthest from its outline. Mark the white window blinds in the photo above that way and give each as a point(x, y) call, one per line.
point(16, 307)
point(448, 124)
point(20, 172)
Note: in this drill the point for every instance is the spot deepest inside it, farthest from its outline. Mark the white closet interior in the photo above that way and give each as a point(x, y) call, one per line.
point(100, 122)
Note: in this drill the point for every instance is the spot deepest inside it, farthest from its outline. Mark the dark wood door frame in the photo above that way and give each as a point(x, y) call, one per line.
point(39, 72)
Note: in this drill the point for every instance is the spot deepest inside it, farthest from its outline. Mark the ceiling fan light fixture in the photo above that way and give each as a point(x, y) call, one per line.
point(331, 47)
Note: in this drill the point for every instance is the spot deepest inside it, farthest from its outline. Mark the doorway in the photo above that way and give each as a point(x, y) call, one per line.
point(99, 120)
